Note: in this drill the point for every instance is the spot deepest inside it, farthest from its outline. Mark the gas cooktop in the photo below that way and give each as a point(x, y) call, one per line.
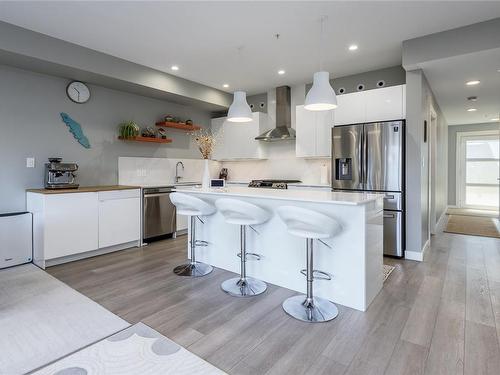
point(272, 184)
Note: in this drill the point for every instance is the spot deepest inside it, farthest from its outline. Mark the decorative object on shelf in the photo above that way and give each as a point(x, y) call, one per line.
point(162, 133)
point(148, 132)
point(78, 92)
point(223, 173)
point(189, 122)
point(169, 118)
point(75, 129)
point(321, 96)
point(129, 129)
point(206, 143)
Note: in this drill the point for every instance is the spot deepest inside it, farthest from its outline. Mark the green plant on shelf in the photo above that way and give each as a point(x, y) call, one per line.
point(129, 129)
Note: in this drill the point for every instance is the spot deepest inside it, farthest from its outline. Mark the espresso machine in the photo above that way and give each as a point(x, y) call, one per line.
point(60, 175)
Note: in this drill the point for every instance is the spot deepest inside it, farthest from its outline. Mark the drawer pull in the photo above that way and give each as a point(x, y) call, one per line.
point(389, 197)
point(389, 216)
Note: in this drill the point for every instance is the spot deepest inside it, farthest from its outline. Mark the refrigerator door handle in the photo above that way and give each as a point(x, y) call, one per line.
point(362, 164)
point(365, 159)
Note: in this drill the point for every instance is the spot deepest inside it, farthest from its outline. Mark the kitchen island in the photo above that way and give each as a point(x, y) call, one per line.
point(354, 259)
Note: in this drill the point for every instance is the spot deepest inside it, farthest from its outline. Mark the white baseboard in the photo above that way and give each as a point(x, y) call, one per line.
point(441, 223)
point(417, 255)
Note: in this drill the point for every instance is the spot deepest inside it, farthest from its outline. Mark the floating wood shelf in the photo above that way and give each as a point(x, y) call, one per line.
point(147, 139)
point(178, 125)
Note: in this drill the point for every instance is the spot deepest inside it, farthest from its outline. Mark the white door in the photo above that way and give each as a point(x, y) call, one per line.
point(478, 170)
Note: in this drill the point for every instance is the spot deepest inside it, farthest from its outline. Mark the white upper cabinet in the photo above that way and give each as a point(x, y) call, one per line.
point(384, 104)
point(237, 140)
point(351, 108)
point(313, 130)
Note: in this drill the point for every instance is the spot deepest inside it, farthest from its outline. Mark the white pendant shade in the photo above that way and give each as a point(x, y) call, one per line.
point(321, 96)
point(239, 111)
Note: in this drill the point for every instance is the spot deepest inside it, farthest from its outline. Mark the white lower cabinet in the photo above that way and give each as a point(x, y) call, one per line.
point(119, 217)
point(71, 224)
point(68, 225)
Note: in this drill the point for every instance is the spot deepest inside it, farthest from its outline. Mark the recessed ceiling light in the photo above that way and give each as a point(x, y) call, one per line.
point(472, 110)
point(353, 47)
point(472, 83)
point(495, 119)
point(174, 67)
point(281, 72)
point(225, 85)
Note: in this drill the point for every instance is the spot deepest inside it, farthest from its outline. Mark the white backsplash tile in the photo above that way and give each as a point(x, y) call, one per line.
point(161, 171)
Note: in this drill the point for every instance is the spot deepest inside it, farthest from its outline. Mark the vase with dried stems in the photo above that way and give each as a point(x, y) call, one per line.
point(205, 141)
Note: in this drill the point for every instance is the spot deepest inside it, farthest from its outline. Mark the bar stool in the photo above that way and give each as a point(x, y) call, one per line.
point(194, 208)
point(243, 214)
point(310, 225)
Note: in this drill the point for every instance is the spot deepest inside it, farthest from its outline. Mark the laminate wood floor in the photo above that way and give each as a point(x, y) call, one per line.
point(441, 316)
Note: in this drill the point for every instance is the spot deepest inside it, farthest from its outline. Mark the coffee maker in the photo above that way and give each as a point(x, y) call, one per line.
point(60, 175)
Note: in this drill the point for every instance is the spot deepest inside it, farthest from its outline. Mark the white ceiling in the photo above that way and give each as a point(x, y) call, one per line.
point(447, 79)
point(203, 37)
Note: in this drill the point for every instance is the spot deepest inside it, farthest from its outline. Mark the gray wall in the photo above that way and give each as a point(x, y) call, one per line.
point(30, 125)
point(452, 154)
point(419, 98)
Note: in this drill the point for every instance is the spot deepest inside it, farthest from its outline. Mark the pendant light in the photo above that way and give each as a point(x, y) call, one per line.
point(321, 96)
point(239, 110)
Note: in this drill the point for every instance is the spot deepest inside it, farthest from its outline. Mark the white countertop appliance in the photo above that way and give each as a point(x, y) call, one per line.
point(16, 244)
point(60, 175)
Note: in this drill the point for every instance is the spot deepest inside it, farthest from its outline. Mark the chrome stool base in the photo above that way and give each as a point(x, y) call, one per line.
point(320, 310)
point(249, 287)
point(196, 269)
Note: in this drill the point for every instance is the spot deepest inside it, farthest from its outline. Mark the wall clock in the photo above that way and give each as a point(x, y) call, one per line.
point(78, 92)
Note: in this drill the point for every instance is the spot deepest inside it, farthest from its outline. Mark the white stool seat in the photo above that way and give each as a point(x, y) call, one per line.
point(306, 223)
point(188, 205)
point(241, 213)
point(310, 225)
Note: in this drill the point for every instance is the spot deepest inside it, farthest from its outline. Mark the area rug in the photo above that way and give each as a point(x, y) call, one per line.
point(471, 212)
point(473, 225)
point(387, 271)
point(137, 350)
point(43, 319)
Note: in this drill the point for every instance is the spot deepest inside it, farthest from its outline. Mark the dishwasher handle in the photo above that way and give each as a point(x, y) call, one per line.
point(146, 195)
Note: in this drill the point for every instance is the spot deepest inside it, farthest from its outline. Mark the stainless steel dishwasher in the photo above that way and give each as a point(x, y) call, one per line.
point(158, 215)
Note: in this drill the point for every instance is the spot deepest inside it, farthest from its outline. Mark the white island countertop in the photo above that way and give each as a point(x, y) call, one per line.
point(333, 197)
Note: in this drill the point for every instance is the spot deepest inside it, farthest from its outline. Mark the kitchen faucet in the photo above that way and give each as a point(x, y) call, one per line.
point(177, 177)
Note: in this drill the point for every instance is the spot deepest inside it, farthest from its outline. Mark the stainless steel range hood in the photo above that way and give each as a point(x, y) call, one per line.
point(283, 130)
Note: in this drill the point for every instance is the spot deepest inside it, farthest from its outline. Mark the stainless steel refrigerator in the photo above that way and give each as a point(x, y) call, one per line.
point(370, 157)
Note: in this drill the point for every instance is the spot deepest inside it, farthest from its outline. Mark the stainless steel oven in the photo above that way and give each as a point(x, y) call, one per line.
point(159, 213)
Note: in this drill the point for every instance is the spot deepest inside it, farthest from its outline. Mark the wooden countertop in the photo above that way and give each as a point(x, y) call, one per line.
point(83, 189)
